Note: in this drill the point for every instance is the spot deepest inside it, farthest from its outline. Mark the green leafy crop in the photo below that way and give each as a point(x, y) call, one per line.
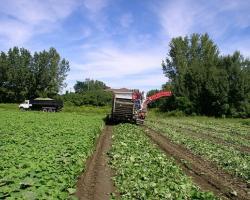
point(144, 172)
point(42, 154)
point(226, 156)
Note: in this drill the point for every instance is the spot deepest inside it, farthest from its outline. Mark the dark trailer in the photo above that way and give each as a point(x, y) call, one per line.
point(44, 104)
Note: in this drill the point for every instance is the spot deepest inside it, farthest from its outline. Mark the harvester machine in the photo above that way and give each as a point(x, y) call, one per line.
point(131, 106)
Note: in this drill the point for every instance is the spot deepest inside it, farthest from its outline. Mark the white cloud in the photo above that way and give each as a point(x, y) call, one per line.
point(176, 17)
point(183, 17)
point(36, 11)
point(22, 19)
point(225, 21)
point(116, 63)
point(13, 32)
point(94, 11)
point(120, 68)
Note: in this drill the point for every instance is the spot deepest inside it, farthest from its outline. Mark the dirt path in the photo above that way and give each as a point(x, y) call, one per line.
point(96, 183)
point(203, 173)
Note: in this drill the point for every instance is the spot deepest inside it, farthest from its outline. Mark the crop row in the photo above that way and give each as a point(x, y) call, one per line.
point(232, 127)
point(42, 154)
point(228, 136)
point(145, 172)
point(227, 157)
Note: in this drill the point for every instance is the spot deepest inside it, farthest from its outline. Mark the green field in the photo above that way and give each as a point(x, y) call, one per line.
point(223, 141)
point(42, 154)
point(144, 172)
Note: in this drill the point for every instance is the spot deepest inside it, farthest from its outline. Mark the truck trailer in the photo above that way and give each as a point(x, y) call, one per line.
point(43, 104)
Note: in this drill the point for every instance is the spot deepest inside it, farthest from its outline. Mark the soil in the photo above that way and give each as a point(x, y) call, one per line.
point(96, 183)
point(204, 173)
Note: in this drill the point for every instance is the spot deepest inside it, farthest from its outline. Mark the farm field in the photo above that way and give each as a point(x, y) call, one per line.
point(224, 142)
point(145, 172)
point(42, 154)
point(51, 156)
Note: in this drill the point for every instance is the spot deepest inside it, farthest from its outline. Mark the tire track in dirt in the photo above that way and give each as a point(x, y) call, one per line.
point(96, 183)
point(203, 173)
point(207, 136)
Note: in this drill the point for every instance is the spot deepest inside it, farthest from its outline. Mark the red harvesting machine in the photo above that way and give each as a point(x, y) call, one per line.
point(131, 106)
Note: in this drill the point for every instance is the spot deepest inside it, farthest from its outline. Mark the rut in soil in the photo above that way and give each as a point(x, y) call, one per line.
point(96, 183)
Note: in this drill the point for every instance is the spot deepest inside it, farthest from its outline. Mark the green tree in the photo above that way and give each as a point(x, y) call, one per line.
point(25, 76)
point(89, 85)
point(49, 73)
point(204, 82)
point(237, 70)
point(18, 74)
point(3, 76)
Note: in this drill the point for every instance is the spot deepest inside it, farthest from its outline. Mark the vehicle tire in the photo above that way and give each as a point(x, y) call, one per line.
point(45, 110)
point(108, 120)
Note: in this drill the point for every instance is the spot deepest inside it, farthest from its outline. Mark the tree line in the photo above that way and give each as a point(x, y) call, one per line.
point(88, 92)
point(203, 81)
point(26, 76)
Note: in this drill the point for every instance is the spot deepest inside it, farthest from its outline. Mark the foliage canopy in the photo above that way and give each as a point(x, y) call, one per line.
point(27, 76)
point(203, 81)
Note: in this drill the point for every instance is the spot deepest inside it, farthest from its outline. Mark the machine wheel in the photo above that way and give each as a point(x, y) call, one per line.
point(108, 119)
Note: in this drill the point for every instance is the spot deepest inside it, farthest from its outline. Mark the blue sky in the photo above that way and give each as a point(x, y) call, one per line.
point(121, 42)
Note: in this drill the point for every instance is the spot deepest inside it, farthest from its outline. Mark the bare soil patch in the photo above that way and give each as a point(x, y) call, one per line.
point(204, 173)
point(96, 183)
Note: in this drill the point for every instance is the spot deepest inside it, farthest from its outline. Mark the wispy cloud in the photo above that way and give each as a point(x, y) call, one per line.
point(22, 19)
point(111, 62)
point(119, 42)
point(223, 21)
point(176, 17)
point(180, 17)
point(120, 68)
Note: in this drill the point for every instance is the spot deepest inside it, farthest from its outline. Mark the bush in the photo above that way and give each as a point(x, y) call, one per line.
point(94, 98)
point(177, 104)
